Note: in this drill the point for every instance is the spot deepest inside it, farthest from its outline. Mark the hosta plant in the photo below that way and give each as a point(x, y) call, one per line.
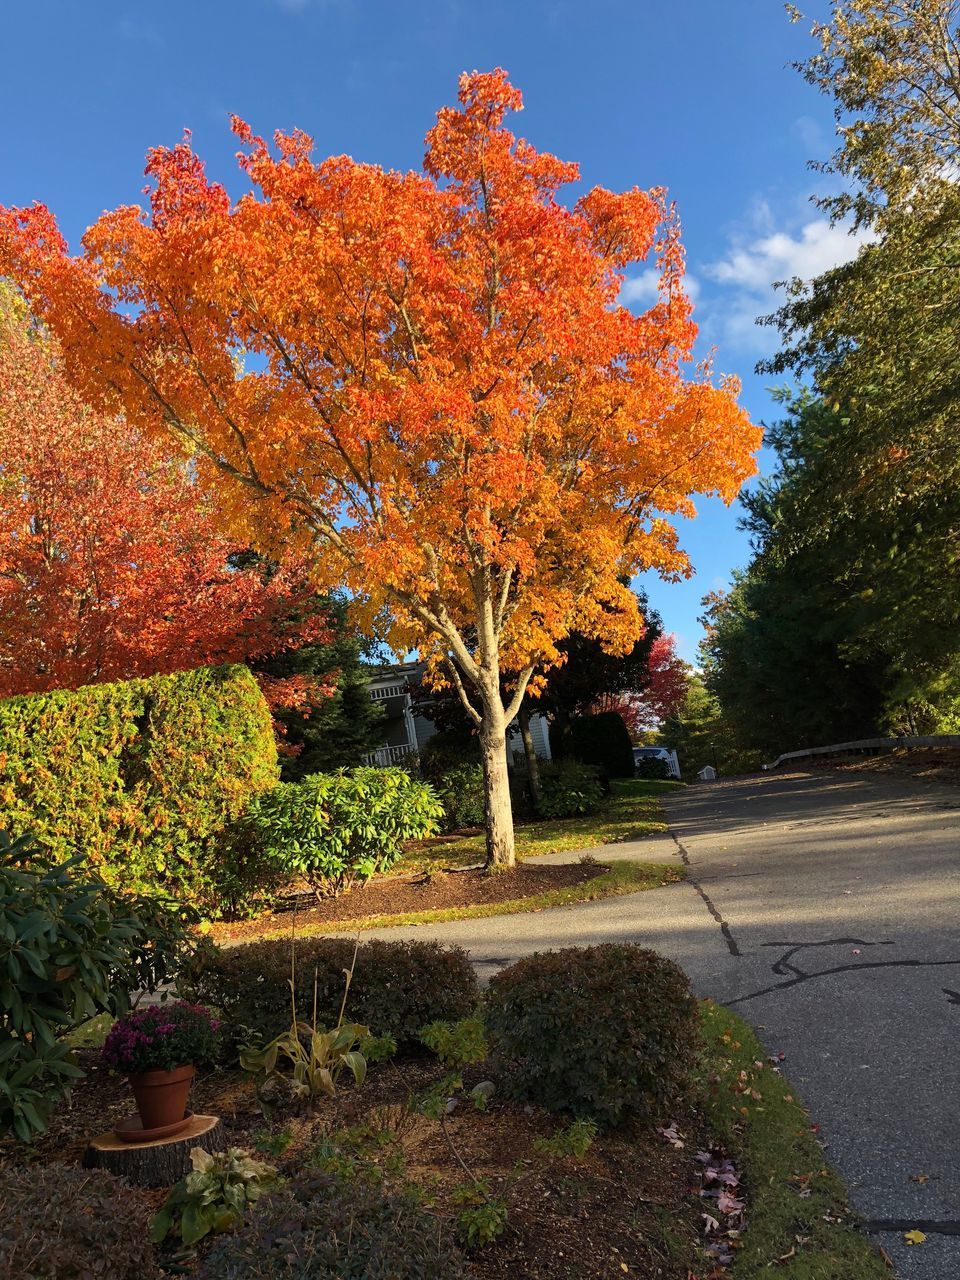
point(316, 1057)
point(214, 1196)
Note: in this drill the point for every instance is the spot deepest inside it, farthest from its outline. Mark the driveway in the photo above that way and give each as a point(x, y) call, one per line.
point(826, 910)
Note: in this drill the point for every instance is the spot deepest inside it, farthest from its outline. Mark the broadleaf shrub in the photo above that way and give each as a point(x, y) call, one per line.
point(606, 1032)
point(70, 948)
point(62, 1223)
point(323, 1229)
point(569, 790)
point(461, 793)
point(446, 750)
point(141, 776)
point(335, 829)
point(396, 989)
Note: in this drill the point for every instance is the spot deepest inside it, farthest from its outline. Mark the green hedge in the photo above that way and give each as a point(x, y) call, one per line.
point(397, 987)
point(141, 776)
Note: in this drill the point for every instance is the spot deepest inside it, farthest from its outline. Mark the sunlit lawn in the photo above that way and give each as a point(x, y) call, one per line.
point(632, 810)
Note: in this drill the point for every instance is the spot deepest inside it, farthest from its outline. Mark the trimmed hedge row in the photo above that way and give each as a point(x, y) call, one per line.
point(397, 987)
point(140, 776)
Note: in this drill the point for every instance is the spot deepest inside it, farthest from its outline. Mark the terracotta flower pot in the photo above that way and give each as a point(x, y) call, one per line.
point(161, 1098)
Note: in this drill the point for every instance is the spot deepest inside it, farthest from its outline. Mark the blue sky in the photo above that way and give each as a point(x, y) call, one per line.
point(696, 95)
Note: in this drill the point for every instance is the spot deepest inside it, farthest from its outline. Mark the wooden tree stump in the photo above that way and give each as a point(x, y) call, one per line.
point(160, 1163)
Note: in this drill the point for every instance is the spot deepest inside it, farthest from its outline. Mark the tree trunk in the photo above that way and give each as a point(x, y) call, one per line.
point(499, 811)
point(155, 1164)
point(530, 751)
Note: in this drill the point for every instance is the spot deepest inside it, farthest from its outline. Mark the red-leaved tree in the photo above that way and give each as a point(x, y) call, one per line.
point(111, 565)
point(662, 694)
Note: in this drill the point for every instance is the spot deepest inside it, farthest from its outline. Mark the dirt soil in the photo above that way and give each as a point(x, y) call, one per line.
point(929, 764)
point(401, 894)
point(630, 1206)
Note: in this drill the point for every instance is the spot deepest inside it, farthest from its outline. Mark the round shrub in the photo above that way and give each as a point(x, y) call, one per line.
point(654, 767)
point(461, 793)
point(397, 987)
point(321, 1229)
point(606, 1032)
point(61, 1223)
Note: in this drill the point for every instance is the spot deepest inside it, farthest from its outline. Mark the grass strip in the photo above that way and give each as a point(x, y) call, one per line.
point(799, 1220)
point(621, 878)
point(631, 811)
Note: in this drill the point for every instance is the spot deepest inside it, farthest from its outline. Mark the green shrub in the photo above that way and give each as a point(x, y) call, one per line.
point(61, 1223)
point(397, 987)
point(214, 1195)
point(141, 776)
point(335, 829)
point(606, 1032)
point(447, 750)
point(322, 1229)
point(69, 949)
point(654, 767)
point(602, 740)
point(568, 789)
point(461, 793)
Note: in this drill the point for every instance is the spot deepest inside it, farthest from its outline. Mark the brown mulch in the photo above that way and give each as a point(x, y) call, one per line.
point(399, 895)
point(928, 764)
point(629, 1207)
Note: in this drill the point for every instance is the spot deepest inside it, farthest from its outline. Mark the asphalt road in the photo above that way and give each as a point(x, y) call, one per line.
point(825, 909)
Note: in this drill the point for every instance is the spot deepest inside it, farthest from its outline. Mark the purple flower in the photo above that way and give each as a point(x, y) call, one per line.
point(161, 1037)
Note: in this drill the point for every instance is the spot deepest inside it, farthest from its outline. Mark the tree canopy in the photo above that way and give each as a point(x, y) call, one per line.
point(111, 564)
point(423, 381)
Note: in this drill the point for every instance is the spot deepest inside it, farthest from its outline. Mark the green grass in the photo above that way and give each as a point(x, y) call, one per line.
point(631, 811)
point(799, 1221)
point(620, 878)
point(90, 1034)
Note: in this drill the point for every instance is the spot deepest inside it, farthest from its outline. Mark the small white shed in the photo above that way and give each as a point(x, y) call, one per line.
point(707, 774)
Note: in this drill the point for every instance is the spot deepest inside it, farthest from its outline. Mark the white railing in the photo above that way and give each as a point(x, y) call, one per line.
point(383, 757)
point(378, 691)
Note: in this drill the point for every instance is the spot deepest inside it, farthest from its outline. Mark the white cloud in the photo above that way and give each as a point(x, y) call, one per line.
point(757, 264)
point(763, 250)
point(810, 135)
point(644, 288)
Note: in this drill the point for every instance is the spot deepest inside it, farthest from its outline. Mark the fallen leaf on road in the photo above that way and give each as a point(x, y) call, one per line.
point(914, 1237)
point(919, 1177)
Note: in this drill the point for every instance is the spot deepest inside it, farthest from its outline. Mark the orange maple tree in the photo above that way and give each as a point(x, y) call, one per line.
point(111, 565)
point(423, 380)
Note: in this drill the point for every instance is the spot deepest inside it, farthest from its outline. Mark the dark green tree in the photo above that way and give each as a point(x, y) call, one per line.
point(334, 729)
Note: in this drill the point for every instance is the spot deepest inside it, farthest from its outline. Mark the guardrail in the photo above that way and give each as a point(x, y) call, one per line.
point(870, 744)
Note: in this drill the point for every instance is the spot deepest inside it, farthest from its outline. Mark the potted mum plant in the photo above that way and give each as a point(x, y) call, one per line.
point(158, 1048)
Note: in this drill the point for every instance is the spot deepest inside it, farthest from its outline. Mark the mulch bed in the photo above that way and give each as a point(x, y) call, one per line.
point(629, 1207)
point(429, 892)
point(927, 764)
